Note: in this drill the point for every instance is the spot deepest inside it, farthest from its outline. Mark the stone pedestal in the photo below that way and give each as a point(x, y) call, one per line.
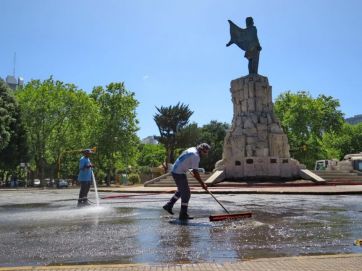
point(255, 147)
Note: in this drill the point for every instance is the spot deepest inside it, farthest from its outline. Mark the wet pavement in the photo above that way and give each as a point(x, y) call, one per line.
point(44, 227)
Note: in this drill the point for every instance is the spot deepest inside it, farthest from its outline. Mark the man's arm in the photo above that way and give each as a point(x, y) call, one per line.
point(196, 175)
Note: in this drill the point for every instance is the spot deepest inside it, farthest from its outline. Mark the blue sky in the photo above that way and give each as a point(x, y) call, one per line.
point(174, 51)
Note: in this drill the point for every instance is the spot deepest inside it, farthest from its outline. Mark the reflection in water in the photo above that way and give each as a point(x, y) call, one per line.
point(181, 244)
point(50, 230)
point(41, 215)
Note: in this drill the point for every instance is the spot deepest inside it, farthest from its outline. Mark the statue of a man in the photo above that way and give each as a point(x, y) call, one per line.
point(247, 40)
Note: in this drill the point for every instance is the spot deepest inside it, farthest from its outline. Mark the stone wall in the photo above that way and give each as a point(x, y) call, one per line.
point(255, 146)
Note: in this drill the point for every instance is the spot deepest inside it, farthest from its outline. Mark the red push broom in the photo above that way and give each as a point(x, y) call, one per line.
point(229, 215)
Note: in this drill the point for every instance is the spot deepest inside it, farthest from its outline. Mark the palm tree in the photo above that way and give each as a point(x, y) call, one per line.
point(169, 121)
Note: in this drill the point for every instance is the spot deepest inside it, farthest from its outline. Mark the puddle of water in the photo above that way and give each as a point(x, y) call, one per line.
point(51, 230)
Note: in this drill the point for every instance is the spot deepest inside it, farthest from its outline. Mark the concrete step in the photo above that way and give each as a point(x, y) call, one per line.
point(334, 173)
point(190, 183)
point(342, 177)
point(170, 185)
point(168, 181)
point(338, 175)
point(189, 179)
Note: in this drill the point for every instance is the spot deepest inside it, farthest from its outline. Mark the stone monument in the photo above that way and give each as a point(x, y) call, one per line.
point(255, 148)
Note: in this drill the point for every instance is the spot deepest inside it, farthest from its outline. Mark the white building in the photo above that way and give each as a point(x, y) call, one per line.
point(14, 83)
point(150, 140)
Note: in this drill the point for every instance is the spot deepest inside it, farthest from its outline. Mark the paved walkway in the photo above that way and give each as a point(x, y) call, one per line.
point(307, 189)
point(234, 188)
point(341, 262)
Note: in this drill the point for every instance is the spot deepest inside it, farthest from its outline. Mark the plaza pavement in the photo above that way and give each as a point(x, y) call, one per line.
point(340, 262)
point(310, 189)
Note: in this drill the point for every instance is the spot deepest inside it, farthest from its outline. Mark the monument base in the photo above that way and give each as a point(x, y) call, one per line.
point(260, 169)
point(256, 147)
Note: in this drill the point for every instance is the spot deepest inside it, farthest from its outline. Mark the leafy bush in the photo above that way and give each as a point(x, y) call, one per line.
point(134, 178)
point(144, 170)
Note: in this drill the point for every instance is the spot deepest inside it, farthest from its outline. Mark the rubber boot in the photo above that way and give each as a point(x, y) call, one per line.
point(168, 207)
point(183, 213)
point(83, 202)
point(80, 203)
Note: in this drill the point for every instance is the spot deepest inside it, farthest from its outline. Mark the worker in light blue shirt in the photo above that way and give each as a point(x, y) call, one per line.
point(85, 177)
point(188, 160)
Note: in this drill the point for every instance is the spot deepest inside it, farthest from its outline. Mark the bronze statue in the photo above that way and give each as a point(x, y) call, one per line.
point(247, 40)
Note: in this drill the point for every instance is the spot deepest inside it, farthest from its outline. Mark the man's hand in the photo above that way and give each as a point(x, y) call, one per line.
point(196, 175)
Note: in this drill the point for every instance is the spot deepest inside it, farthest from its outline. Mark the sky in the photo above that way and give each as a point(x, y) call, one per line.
point(170, 51)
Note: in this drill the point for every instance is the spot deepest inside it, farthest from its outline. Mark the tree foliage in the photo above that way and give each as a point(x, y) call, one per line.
point(13, 141)
point(305, 120)
point(188, 136)
point(8, 108)
point(58, 117)
point(115, 133)
point(17, 151)
point(213, 134)
point(60, 120)
point(346, 141)
point(170, 120)
point(150, 155)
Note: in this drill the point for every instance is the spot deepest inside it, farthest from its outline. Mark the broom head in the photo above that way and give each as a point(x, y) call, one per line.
point(230, 216)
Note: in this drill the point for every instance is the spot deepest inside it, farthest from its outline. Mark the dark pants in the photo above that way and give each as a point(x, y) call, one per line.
point(84, 189)
point(183, 191)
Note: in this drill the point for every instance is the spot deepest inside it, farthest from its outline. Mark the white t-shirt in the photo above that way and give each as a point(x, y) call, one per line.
point(189, 159)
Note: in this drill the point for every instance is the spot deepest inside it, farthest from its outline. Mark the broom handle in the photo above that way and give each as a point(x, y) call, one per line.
point(217, 201)
point(212, 195)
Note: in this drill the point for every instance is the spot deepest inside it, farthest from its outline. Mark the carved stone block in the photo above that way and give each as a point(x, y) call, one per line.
point(256, 145)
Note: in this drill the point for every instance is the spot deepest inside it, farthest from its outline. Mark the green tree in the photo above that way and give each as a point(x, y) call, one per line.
point(305, 120)
point(348, 140)
point(12, 131)
point(7, 114)
point(188, 136)
point(58, 118)
point(115, 135)
point(170, 120)
point(150, 155)
point(213, 134)
point(75, 131)
point(16, 151)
